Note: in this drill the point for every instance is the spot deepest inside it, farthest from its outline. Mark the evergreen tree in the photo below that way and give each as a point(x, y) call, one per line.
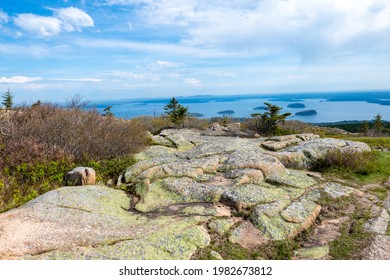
point(378, 125)
point(7, 100)
point(268, 122)
point(176, 112)
point(107, 112)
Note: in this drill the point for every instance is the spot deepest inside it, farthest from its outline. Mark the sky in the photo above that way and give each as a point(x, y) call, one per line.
point(118, 49)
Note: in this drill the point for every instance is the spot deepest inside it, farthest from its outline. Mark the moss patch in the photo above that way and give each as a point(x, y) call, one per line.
point(353, 238)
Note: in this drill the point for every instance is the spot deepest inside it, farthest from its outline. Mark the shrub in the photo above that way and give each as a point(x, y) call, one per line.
point(195, 123)
point(351, 162)
point(47, 132)
point(154, 124)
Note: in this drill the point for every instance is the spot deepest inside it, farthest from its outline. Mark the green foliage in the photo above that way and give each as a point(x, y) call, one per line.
point(366, 167)
point(378, 125)
point(176, 112)
point(351, 162)
point(7, 100)
point(107, 112)
point(28, 180)
point(110, 168)
point(267, 122)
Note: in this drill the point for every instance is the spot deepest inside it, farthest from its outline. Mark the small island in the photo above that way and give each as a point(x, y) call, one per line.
point(226, 112)
point(296, 105)
point(196, 115)
point(260, 108)
point(306, 113)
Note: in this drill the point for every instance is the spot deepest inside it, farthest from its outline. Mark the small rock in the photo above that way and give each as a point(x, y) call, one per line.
point(110, 183)
point(336, 190)
point(80, 176)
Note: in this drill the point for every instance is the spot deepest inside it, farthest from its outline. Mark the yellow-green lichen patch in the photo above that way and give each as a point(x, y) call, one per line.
point(312, 253)
point(292, 178)
point(176, 241)
point(221, 226)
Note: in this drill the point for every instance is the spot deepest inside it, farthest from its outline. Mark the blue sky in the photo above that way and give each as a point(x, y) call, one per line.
point(113, 49)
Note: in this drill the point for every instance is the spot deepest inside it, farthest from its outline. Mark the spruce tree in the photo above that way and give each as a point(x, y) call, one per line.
point(176, 112)
point(7, 100)
point(268, 122)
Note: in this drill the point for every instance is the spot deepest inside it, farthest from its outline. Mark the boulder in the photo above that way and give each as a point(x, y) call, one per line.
point(307, 153)
point(80, 176)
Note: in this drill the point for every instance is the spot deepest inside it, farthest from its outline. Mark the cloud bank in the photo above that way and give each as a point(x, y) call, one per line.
point(311, 28)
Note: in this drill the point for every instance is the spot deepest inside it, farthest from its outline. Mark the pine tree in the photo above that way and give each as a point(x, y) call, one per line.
point(7, 100)
point(268, 122)
point(176, 112)
point(378, 125)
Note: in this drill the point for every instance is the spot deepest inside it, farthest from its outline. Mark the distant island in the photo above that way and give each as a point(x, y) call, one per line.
point(296, 105)
point(226, 112)
point(259, 108)
point(306, 113)
point(196, 115)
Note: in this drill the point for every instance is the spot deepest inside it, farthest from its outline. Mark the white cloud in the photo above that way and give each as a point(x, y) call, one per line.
point(129, 75)
point(38, 25)
point(222, 73)
point(3, 17)
point(73, 18)
point(162, 64)
point(192, 81)
point(94, 80)
point(19, 79)
point(66, 19)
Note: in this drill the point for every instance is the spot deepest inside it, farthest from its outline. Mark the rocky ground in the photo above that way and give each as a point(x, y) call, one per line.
point(189, 192)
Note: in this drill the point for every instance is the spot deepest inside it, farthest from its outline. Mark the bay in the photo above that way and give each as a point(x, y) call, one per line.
point(330, 107)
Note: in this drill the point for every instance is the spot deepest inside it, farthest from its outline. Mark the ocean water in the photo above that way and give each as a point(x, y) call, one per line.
point(330, 107)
